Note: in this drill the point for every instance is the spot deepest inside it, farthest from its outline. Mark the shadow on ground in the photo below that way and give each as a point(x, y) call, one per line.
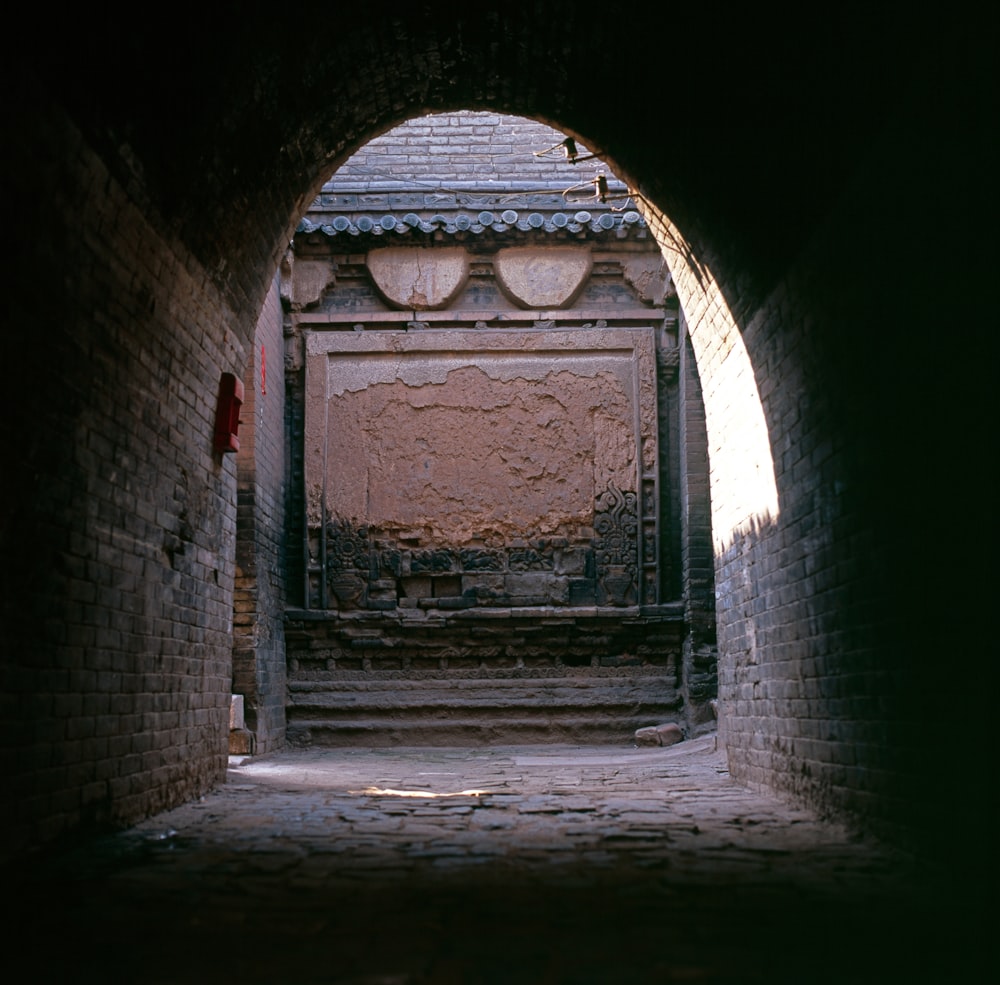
point(561, 865)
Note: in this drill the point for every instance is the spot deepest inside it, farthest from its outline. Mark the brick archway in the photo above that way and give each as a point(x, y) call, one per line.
point(154, 245)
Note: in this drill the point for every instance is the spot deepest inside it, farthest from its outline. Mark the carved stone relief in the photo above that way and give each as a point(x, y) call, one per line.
point(542, 277)
point(417, 278)
point(616, 527)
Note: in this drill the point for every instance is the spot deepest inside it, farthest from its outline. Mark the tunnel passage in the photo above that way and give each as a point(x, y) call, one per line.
point(795, 219)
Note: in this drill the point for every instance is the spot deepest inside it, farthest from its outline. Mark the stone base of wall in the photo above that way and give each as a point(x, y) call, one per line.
point(545, 674)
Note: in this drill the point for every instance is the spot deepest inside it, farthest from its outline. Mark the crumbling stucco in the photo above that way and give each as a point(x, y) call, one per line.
point(418, 278)
point(479, 458)
point(542, 277)
point(474, 438)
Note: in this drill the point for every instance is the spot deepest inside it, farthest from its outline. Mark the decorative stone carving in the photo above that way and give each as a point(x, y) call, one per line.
point(433, 561)
point(541, 277)
point(348, 589)
point(616, 528)
point(346, 547)
point(419, 279)
point(528, 559)
point(348, 563)
point(392, 562)
point(478, 560)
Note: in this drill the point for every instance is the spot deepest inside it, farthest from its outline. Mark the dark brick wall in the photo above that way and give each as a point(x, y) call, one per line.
point(697, 559)
point(258, 620)
point(118, 532)
point(830, 664)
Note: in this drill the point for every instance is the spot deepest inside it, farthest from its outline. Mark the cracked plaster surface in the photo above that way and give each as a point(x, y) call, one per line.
point(476, 454)
point(473, 435)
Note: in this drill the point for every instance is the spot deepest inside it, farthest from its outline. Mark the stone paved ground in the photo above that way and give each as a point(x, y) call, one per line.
point(549, 864)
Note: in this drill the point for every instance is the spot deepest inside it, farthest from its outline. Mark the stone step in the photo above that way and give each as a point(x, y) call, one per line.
point(464, 731)
point(482, 694)
point(421, 711)
point(431, 702)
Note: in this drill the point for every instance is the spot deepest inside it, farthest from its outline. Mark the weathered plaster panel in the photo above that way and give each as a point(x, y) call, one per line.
point(417, 278)
point(649, 275)
point(448, 453)
point(542, 277)
point(475, 436)
point(307, 281)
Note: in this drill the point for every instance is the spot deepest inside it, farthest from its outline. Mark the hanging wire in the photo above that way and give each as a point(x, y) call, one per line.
point(627, 204)
point(599, 193)
point(573, 199)
point(569, 150)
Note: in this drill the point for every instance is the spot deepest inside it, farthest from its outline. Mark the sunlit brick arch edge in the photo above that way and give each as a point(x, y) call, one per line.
point(744, 491)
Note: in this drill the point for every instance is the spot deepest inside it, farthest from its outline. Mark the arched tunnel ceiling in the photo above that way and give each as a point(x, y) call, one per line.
point(743, 123)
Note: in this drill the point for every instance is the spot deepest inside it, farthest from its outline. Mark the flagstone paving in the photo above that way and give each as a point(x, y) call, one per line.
point(569, 865)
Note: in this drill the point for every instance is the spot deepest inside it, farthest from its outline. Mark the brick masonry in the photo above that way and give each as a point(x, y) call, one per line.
point(260, 592)
point(456, 153)
point(838, 237)
point(119, 543)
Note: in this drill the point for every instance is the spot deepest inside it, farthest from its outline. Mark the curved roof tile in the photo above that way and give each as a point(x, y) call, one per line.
point(627, 223)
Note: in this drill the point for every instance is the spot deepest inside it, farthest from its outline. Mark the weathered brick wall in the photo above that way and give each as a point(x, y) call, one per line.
point(802, 679)
point(258, 620)
point(697, 556)
point(873, 356)
point(830, 672)
point(118, 533)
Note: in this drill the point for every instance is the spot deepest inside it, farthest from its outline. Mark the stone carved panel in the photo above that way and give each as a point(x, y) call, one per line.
point(529, 559)
point(542, 277)
point(460, 454)
point(421, 279)
point(616, 529)
point(347, 547)
point(479, 560)
point(348, 564)
point(432, 562)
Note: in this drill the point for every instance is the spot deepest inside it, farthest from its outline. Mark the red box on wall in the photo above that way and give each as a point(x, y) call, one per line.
point(227, 415)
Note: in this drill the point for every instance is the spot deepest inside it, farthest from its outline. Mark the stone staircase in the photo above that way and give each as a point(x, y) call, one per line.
point(531, 675)
point(576, 706)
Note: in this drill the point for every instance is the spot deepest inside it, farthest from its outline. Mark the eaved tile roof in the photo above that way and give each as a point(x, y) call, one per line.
point(468, 174)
